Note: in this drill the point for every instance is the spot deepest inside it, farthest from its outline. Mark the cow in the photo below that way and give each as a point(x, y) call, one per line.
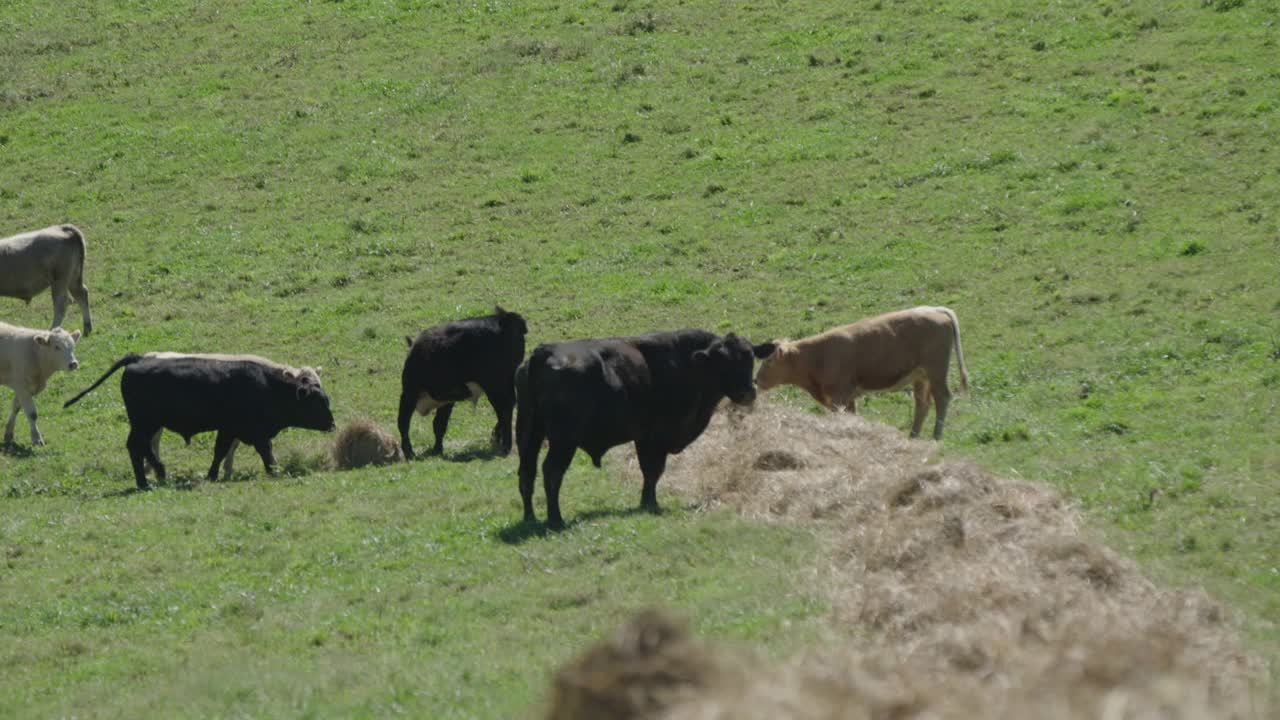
point(241, 400)
point(657, 390)
point(458, 361)
point(306, 375)
point(50, 258)
point(879, 354)
point(28, 358)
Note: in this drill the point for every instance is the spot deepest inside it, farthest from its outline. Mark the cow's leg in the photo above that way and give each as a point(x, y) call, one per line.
point(29, 408)
point(530, 445)
point(559, 455)
point(920, 393)
point(653, 460)
point(155, 444)
point(221, 446)
point(941, 399)
point(263, 447)
point(13, 419)
point(408, 403)
point(139, 443)
point(504, 404)
point(60, 301)
point(439, 425)
point(819, 395)
point(80, 294)
point(231, 456)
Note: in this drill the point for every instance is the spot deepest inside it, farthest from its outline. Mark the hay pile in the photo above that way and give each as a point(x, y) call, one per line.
point(363, 443)
point(960, 594)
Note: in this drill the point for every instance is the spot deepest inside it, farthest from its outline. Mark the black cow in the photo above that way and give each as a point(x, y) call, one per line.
point(657, 390)
point(457, 361)
point(240, 399)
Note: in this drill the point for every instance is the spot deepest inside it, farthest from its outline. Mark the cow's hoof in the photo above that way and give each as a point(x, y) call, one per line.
point(555, 525)
point(652, 508)
point(37, 442)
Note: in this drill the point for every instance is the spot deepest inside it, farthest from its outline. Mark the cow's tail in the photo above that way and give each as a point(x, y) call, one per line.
point(129, 359)
point(955, 330)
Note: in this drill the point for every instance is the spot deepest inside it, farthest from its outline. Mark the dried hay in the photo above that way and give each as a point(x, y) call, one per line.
point(960, 594)
point(363, 443)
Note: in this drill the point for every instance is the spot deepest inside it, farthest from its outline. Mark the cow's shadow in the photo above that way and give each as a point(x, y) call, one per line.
point(474, 452)
point(185, 481)
point(14, 450)
point(518, 533)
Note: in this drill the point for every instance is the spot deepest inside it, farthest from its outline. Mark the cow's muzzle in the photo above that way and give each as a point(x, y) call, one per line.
point(746, 398)
point(75, 365)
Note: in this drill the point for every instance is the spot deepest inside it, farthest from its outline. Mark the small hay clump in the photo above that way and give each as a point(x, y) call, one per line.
point(959, 593)
point(363, 443)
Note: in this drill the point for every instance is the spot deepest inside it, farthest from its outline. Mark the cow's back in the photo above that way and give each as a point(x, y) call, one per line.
point(16, 349)
point(880, 351)
point(192, 395)
point(30, 261)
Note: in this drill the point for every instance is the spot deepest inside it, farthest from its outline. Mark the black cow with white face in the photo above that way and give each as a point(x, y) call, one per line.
point(457, 361)
point(244, 400)
point(657, 390)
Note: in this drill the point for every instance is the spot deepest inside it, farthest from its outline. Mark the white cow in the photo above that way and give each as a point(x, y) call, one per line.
point(50, 258)
point(306, 375)
point(28, 358)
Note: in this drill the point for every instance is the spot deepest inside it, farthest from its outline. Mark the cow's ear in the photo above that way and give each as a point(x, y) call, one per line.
point(700, 357)
point(315, 369)
point(42, 339)
point(75, 336)
point(408, 341)
point(497, 310)
point(764, 350)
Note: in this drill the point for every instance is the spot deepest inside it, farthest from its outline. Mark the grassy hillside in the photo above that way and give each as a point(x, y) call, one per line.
point(1092, 187)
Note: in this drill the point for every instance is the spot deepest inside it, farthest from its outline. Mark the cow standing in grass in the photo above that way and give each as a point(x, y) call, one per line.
point(458, 361)
point(28, 358)
point(878, 354)
point(305, 375)
point(50, 258)
point(657, 390)
point(243, 400)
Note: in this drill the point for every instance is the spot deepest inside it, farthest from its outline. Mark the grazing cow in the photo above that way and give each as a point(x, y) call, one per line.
point(28, 358)
point(240, 399)
point(49, 258)
point(305, 375)
point(457, 361)
point(884, 353)
point(657, 390)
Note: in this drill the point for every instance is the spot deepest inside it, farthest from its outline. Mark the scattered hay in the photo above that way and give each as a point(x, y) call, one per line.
point(961, 594)
point(654, 669)
point(363, 443)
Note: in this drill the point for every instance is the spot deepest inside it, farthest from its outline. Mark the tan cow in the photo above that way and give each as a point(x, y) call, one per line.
point(306, 375)
point(50, 258)
point(28, 358)
point(878, 354)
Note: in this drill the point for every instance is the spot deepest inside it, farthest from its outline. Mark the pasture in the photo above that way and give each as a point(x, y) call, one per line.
point(1091, 187)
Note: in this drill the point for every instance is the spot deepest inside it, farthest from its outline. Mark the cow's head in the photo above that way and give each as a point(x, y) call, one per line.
point(304, 375)
point(58, 349)
point(510, 322)
point(313, 410)
point(729, 360)
point(775, 368)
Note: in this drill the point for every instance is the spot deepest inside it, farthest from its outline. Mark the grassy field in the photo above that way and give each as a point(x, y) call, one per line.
point(1091, 186)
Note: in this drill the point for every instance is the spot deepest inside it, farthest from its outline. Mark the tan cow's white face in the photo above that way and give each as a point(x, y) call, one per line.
point(775, 370)
point(59, 347)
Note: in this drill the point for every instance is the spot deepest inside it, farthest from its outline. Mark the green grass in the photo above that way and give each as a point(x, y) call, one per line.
point(378, 593)
point(1092, 187)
